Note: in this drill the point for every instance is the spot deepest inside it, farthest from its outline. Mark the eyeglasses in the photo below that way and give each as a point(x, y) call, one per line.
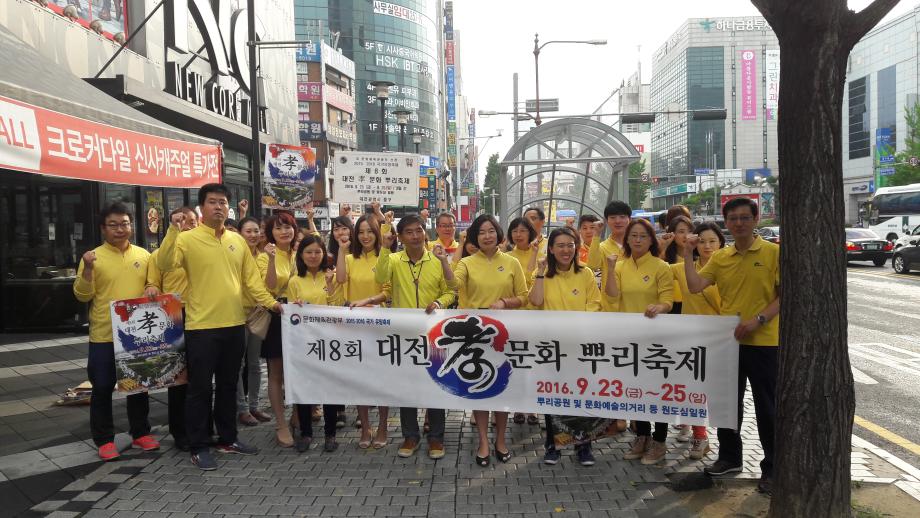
point(740, 219)
point(124, 225)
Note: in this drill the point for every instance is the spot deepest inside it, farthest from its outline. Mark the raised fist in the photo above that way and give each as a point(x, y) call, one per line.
point(425, 214)
point(438, 251)
point(269, 249)
point(89, 258)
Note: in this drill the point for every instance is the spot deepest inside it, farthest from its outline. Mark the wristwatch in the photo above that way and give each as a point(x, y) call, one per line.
point(761, 319)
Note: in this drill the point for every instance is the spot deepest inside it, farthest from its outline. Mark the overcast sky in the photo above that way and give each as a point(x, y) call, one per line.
point(497, 40)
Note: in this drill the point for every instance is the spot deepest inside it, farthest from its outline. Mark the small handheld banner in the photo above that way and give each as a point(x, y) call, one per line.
point(680, 369)
point(149, 343)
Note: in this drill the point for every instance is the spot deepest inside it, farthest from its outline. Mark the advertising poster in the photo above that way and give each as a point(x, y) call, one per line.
point(149, 343)
point(748, 85)
point(679, 369)
point(771, 93)
point(112, 14)
point(290, 174)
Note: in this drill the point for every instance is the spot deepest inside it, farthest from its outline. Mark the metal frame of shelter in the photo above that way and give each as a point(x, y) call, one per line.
point(571, 147)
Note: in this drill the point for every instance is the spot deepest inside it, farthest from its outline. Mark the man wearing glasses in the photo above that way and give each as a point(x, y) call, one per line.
point(116, 270)
point(747, 275)
point(446, 227)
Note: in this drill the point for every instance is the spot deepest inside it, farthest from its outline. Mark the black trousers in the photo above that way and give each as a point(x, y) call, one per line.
point(212, 354)
point(100, 367)
point(644, 428)
point(305, 416)
point(757, 364)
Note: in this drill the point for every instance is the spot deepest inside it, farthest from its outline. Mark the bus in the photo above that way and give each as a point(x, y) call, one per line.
point(894, 211)
point(651, 216)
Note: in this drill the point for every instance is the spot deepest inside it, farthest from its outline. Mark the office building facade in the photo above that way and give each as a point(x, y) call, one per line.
point(713, 63)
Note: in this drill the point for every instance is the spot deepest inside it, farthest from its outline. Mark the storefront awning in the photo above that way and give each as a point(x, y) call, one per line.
point(54, 123)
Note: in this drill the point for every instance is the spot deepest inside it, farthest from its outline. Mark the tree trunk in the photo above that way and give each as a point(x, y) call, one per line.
point(815, 396)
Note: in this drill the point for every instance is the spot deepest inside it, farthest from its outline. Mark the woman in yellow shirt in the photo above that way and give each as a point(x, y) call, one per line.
point(355, 273)
point(248, 400)
point(706, 303)
point(524, 240)
point(525, 248)
point(562, 284)
point(276, 265)
point(490, 279)
point(642, 283)
point(314, 283)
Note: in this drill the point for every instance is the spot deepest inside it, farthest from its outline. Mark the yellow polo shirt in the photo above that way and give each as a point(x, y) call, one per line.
point(361, 282)
point(481, 280)
point(647, 280)
point(175, 282)
point(523, 257)
point(570, 291)
point(706, 303)
point(401, 274)
point(284, 270)
point(678, 294)
point(597, 260)
point(311, 289)
point(116, 276)
point(219, 270)
point(748, 282)
point(248, 301)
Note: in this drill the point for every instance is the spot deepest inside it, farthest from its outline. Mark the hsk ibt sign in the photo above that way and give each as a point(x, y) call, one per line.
point(388, 178)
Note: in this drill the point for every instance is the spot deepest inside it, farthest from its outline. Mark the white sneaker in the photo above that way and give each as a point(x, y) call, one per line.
point(685, 433)
point(699, 448)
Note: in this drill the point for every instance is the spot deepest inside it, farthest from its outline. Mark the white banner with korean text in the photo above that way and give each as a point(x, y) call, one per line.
point(362, 177)
point(674, 368)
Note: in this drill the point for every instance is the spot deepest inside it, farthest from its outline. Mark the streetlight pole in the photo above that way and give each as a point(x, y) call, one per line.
point(536, 61)
point(255, 150)
point(417, 140)
point(382, 89)
point(402, 118)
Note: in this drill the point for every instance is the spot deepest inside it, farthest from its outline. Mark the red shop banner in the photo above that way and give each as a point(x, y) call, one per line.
point(36, 140)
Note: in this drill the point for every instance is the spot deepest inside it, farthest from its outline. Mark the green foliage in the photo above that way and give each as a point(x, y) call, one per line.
point(638, 190)
point(904, 173)
point(490, 185)
point(697, 203)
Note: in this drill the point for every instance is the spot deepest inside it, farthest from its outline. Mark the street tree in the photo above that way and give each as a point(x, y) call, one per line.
point(815, 396)
point(904, 173)
point(490, 186)
point(638, 188)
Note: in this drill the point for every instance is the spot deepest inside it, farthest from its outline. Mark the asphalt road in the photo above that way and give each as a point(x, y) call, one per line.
point(884, 344)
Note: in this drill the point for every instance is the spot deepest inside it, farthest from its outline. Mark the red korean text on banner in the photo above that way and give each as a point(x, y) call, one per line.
point(37, 140)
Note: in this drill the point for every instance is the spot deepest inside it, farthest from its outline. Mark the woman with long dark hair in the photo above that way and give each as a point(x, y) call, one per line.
point(314, 283)
point(707, 302)
point(490, 279)
point(355, 273)
point(247, 400)
point(642, 283)
point(562, 284)
point(276, 265)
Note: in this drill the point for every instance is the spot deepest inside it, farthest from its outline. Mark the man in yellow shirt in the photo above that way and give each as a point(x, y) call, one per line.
point(617, 215)
point(117, 270)
point(537, 218)
point(219, 268)
point(747, 275)
point(419, 279)
point(446, 227)
point(175, 282)
point(586, 225)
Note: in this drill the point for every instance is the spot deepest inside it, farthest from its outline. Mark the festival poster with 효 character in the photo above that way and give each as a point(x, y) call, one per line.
point(290, 174)
point(149, 343)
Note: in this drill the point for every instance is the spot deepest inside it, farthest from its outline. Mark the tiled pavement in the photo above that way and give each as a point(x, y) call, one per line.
point(63, 479)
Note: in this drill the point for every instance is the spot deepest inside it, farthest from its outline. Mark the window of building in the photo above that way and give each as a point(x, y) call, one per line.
point(887, 101)
point(859, 118)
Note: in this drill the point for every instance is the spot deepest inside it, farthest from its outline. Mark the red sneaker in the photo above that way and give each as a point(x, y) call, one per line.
point(108, 451)
point(146, 443)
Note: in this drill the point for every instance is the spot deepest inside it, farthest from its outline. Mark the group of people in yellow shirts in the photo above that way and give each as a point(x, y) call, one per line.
point(222, 276)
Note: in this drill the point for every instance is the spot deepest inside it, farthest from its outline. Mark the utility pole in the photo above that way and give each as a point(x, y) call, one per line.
point(254, 117)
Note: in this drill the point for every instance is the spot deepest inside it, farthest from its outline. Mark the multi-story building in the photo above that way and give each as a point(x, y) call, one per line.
point(882, 84)
point(170, 113)
point(713, 63)
point(387, 41)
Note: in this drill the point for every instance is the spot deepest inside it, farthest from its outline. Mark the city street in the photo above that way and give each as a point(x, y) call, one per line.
point(47, 463)
point(884, 337)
